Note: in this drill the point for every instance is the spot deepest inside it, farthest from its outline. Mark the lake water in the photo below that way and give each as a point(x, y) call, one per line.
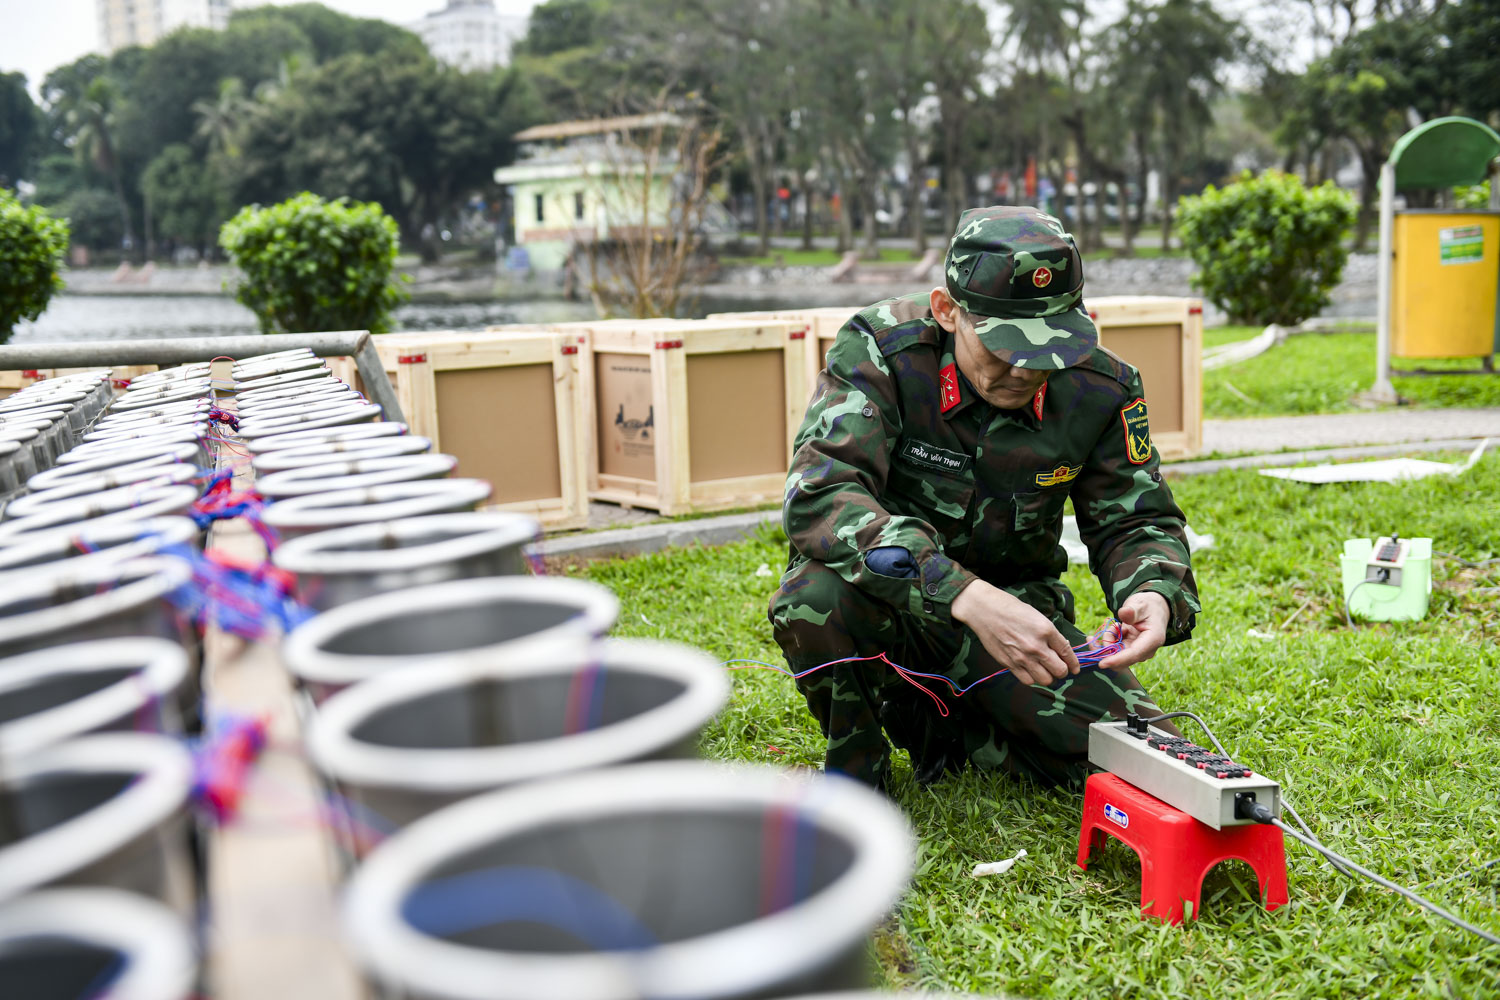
point(141, 316)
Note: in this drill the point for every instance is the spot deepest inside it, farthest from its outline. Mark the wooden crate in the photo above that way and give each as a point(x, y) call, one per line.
point(507, 406)
point(823, 324)
point(691, 415)
point(1163, 337)
point(12, 382)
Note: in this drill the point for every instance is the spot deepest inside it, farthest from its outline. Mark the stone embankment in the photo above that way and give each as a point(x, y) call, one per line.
point(1354, 296)
point(771, 286)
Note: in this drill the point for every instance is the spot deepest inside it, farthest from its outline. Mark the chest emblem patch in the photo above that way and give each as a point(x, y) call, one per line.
point(1137, 433)
point(948, 387)
point(932, 457)
point(1058, 476)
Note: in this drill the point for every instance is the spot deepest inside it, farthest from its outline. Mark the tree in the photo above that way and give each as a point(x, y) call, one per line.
point(559, 25)
point(1361, 92)
point(590, 58)
point(412, 135)
point(32, 244)
point(954, 39)
point(1472, 64)
point(1168, 60)
point(185, 200)
point(653, 193)
point(1044, 34)
point(311, 265)
point(331, 34)
point(93, 217)
point(1268, 249)
point(222, 119)
point(93, 123)
point(20, 129)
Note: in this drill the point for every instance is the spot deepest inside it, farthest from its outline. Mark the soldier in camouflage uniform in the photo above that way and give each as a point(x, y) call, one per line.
point(924, 508)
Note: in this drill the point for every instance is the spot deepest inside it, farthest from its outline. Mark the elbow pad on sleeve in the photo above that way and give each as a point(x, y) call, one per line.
point(892, 561)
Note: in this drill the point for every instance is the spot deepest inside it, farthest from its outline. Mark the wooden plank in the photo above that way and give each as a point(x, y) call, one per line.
point(1136, 310)
point(1192, 378)
point(273, 878)
point(574, 507)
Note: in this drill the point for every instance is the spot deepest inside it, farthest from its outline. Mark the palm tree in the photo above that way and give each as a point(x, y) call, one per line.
point(1044, 33)
point(1167, 68)
point(92, 122)
point(220, 121)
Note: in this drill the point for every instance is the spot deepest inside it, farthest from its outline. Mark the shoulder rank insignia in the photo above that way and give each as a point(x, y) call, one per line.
point(948, 393)
point(1137, 433)
point(1058, 476)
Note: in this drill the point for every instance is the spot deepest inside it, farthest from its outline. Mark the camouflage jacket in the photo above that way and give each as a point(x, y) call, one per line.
point(897, 449)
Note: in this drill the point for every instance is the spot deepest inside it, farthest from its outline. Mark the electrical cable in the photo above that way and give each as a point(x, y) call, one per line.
point(1348, 616)
point(1111, 635)
point(1468, 563)
point(1337, 858)
point(1463, 874)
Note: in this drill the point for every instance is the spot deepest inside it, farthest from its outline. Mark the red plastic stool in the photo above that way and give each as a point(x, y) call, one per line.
point(1176, 850)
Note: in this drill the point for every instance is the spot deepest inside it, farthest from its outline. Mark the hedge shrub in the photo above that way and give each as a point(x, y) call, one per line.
point(32, 245)
point(309, 265)
point(1268, 249)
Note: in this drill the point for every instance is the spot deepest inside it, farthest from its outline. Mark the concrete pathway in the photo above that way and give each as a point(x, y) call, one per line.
point(1263, 435)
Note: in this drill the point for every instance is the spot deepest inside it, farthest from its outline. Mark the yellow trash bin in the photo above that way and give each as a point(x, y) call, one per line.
point(1445, 275)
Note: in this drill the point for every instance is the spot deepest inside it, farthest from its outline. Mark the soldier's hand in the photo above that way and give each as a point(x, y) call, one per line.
point(1144, 616)
point(1015, 634)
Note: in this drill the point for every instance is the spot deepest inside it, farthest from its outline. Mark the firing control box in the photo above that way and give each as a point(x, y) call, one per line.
point(1194, 779)
point(1387, 561)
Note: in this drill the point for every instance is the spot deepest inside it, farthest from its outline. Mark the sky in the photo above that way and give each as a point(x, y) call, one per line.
point(41, 35)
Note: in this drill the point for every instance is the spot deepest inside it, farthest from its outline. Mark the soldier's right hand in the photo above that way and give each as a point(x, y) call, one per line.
point(1017, 635)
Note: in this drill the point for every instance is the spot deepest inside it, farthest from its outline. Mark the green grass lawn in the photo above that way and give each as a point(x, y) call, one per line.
point(1387, 738)
point(1217, 336)
point(1321, 373)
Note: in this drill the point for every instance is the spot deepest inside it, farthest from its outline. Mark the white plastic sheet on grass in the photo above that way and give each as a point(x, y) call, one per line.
point(1383, 470)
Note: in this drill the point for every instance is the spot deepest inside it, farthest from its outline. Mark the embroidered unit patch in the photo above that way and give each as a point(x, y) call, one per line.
point(1137, 433)
point(933, 457)
point(948, 391)
point(1058, 476)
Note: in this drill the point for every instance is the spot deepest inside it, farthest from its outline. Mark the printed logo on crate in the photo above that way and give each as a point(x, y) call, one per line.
point(635, 429)
point(1116, 815)
point(627, 416)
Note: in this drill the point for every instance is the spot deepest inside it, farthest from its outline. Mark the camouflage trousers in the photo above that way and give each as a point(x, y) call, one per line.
point(1000, 725)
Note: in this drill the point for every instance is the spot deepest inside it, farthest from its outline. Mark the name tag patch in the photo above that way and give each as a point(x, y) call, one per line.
point(933, 457)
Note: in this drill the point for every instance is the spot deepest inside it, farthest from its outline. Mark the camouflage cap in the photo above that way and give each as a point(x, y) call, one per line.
point(1019, 274)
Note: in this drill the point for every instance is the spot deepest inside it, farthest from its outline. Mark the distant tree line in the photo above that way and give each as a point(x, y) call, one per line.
point(824, 96)
point(153, 148)
point(848, 107)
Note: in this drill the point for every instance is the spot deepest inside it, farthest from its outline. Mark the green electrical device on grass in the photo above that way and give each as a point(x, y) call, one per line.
point(1388, 579)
